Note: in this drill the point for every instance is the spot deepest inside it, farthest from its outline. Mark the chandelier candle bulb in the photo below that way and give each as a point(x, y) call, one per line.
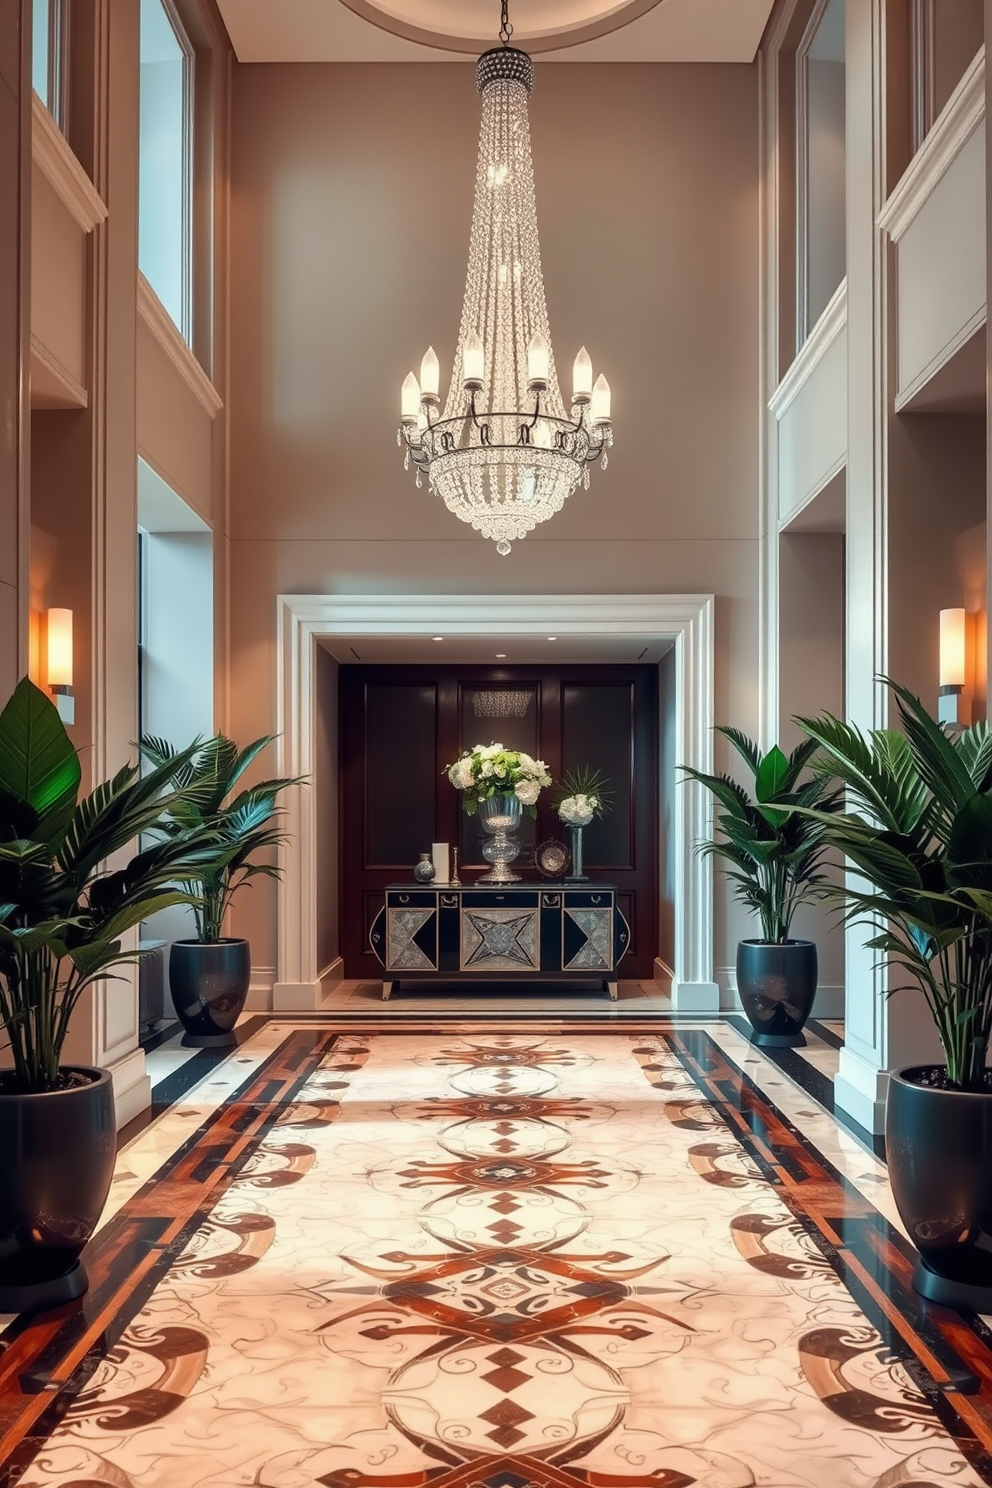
point(430, 376)
point(409, 399)
point(538, 362)
point(600, 407)
point(473, 362)
point(582, 377)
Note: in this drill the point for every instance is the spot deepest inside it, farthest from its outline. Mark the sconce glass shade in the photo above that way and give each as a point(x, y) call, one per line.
point(59, 648)
point(953, 648)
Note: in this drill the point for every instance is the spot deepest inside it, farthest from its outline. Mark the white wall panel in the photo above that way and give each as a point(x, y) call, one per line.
point(812, 426)
point(941, 270)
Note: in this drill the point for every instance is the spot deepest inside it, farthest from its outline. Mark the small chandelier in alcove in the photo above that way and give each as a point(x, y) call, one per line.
point(504, 454)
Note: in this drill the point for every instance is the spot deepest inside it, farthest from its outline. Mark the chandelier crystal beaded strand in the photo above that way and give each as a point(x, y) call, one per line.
point(504, 454)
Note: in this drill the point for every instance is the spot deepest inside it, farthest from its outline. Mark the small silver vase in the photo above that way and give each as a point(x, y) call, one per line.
point(500, 818)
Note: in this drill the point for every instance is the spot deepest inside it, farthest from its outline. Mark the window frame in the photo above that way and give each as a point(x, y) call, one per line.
point(923, 51)
point(803, 324)
point(188, 50)
point(57, 65)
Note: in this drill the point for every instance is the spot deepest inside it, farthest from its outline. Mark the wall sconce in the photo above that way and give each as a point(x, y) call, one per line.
point(58, 654)
point(954, 638)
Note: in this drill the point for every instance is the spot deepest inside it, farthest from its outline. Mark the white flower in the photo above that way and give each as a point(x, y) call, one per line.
point(460, 773)
point(528, 792)
point(487, 767)
point(576, 810)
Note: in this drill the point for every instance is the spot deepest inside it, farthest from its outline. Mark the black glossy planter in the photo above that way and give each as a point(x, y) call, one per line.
point(57, 1152)
point(777, 985)
point(939, 1149)
point(209, 984)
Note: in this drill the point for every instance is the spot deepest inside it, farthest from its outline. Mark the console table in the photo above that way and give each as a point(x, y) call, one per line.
point(487, 933)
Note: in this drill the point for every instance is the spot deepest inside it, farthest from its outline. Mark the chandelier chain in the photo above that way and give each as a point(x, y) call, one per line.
point(506, 29)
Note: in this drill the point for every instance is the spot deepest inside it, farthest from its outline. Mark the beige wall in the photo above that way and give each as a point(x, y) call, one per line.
point(937, 539)
point(351, 203)
point(15, 278)
point(958, 33)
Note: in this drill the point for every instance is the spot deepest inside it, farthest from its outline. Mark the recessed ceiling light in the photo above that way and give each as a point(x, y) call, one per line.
point(500, 655)
point(552, 638)
point(437, 638)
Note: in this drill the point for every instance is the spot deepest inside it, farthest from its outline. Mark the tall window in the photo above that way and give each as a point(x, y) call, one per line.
point(165, 171)
point(49, 50)
point(822, 163)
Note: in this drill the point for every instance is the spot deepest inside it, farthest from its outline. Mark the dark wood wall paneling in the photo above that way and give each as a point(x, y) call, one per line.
point(400, 727)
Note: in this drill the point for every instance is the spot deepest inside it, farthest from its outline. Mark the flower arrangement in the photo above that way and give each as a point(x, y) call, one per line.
point(490, 770)
point(581, 796)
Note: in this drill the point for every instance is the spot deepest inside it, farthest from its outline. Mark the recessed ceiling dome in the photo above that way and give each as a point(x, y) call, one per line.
point(468, 25)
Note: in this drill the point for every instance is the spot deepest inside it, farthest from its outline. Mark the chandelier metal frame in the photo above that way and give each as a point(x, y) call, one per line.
point(503, 469)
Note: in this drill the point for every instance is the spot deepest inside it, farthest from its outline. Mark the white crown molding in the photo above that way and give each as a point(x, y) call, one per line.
point(957, 122)
point(685, 619)
point(158, 320)
point(51, 154)
point(830, 325)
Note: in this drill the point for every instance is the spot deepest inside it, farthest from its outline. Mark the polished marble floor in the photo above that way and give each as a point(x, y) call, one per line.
point(555, 1256)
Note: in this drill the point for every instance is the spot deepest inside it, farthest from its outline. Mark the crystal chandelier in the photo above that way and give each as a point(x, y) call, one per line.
point(504, 454)
point(500, 704)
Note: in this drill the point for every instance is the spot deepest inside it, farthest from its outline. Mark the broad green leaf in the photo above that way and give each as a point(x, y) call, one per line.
point(38, 761)
point(773, 772)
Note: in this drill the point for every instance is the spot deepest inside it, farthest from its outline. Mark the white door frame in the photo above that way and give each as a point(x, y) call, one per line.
point(684, 619)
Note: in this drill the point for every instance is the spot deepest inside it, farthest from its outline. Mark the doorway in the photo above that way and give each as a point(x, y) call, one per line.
point(401, 726)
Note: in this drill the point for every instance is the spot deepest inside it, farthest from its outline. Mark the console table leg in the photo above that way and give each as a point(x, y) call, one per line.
point(611, 987)
point(388, 988)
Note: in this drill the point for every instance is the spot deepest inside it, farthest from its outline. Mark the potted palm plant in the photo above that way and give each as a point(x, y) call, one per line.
point(209, 975)
point(774, 854)
point(64, 913)
point(918, 834)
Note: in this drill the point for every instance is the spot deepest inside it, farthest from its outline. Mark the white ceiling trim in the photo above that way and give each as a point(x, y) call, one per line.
point(328, 31)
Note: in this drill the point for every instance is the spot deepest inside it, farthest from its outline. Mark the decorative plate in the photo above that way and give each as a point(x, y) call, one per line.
point(552, 859)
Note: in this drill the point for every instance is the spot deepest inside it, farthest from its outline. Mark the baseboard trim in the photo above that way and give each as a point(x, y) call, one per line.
point(132, 1086)
point(860, 1091)
point(332, 974)
point(296, 997)
point(259, 999)
point(663, 974)
point(696, 997)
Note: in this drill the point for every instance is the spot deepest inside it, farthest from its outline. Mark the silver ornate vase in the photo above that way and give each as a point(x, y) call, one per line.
point(500, 818)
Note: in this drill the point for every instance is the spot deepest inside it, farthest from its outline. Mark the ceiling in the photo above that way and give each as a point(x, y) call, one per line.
point(484, 650)
point(560, 30)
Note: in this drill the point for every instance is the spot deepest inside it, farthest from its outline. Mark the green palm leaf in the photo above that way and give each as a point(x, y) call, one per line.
point(38, 763)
